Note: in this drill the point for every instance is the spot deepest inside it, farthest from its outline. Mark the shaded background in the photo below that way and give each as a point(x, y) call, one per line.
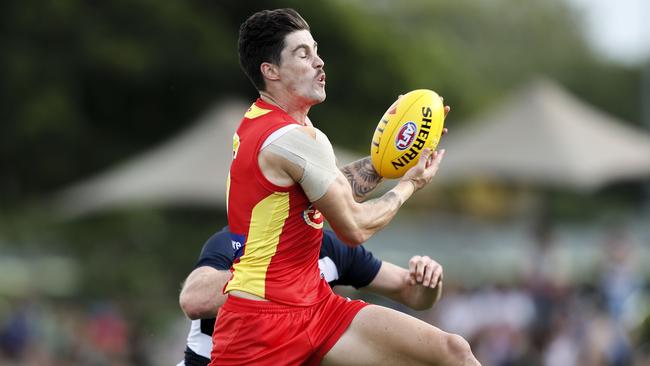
point(86, 86)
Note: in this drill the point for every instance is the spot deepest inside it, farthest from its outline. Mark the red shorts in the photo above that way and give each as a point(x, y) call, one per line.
point(249, 332)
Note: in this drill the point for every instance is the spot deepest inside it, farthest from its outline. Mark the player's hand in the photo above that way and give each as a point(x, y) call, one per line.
point(422, 173)
point(424, 271)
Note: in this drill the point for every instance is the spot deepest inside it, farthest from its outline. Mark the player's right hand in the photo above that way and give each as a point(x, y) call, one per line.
point(426, 168)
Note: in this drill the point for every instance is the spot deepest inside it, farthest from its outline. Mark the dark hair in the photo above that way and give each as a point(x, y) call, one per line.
point(261, 39)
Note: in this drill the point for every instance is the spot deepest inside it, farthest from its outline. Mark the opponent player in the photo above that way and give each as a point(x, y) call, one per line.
point(283, 175)
point(418, 287)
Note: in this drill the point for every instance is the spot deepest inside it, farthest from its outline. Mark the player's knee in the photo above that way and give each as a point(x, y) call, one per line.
point(460, 351)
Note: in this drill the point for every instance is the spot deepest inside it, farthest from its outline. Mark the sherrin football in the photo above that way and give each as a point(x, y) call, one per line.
point(413, 122)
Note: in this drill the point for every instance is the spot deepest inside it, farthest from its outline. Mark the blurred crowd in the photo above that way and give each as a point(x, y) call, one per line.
point(542, 317)
point(569, 326)
point(55, 333)
point(545, 319)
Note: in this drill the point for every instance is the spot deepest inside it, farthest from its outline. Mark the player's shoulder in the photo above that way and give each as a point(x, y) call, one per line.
point(217, 252)
point(264, 118)
point(220, 236)
point(261, 111)
point(310, 131)
point(256, 111)
point(218, 242)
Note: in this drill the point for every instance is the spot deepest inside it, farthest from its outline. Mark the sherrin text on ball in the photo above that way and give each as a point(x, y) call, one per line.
point(412, 123)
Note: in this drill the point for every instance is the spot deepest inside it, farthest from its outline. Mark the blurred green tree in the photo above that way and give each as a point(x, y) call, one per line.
point(87, 84)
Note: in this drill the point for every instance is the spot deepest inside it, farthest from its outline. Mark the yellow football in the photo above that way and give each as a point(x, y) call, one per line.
point(413, 122)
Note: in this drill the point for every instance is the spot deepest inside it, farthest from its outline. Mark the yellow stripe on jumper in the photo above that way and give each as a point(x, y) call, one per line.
point(267, 221)
point(255, 111)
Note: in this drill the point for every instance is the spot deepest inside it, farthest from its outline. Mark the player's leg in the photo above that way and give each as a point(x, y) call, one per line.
point(382, 336)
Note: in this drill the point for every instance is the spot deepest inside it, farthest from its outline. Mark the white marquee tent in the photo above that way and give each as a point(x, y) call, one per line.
point(189, 170)
point(541, 135)
point(544, 135)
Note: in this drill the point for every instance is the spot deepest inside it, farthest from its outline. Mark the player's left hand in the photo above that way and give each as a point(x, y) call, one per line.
point(424, 271)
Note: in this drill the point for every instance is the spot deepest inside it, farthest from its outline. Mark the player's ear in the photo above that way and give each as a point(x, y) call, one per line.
point(270, 71)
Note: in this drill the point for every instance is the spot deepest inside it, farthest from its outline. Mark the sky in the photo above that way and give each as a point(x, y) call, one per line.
point(619, 30)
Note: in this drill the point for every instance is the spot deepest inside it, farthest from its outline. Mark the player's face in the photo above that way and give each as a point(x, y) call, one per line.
point(301, 69)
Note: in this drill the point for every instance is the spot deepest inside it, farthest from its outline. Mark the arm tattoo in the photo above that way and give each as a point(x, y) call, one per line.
point(390, 200)
point(362, 177)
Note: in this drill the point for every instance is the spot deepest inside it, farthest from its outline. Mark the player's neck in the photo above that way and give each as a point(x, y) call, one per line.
point(296, 110)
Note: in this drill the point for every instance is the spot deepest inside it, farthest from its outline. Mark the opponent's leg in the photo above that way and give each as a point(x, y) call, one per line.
point(382, 336)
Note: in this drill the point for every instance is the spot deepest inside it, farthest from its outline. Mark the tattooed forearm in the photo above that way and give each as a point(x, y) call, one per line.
point(381, 210)
point(390, 201)
point(362, 177)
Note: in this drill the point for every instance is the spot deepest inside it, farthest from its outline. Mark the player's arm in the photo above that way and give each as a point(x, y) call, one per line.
point(362, 176)
point(202, 292)
point(305, 156)
point(202, 295)
point(418, 287)
point(355, 222)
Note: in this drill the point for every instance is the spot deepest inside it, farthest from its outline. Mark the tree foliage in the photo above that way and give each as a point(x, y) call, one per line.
point(86, 84)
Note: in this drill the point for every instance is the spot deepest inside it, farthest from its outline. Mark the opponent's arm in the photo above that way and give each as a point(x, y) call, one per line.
point(418, 287)
point(202, 294)
point(362, 176)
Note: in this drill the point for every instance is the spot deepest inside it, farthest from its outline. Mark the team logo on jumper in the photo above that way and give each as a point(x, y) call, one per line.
point(313, 217)
point(406, 135)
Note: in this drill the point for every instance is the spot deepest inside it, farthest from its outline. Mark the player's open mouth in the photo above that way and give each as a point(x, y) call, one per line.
point(321, 79)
